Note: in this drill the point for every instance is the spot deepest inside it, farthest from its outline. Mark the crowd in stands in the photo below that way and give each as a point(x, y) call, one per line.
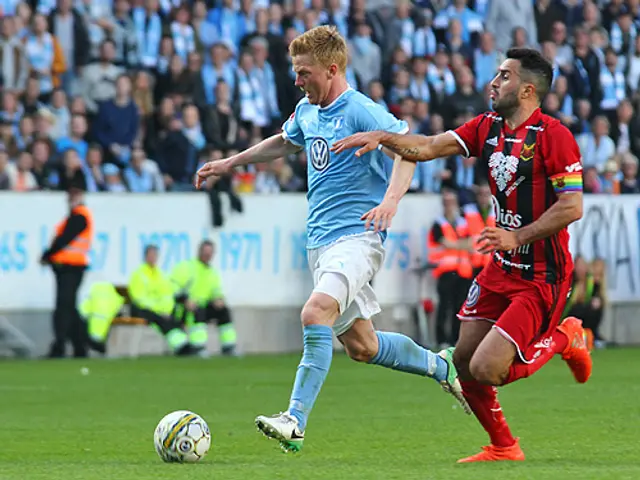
point(137, 94)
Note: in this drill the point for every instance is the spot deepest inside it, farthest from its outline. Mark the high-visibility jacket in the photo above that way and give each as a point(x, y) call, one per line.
point(77, 252)
point(100, 308)
point(476, 223)
point(450, 260)
point(589, 286)
point(198, 281)
point(151, 289)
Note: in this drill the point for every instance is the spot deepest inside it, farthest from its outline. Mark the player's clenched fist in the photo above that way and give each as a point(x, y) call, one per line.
point(493, 238)
point(216, 168)
point(369, 141)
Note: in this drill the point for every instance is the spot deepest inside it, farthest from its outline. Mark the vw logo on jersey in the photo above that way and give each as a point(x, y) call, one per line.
point(473, 295)
point(319, 154)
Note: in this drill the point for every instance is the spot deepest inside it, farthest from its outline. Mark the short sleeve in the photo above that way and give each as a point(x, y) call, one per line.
point(291, 130)
point(563, 162)
point(467, 136)
point(372, 116)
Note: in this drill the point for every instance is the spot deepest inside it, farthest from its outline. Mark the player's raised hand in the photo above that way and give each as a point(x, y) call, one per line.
point(215, 168)
point(380, 217)
point(367, 140)
point(493, 238)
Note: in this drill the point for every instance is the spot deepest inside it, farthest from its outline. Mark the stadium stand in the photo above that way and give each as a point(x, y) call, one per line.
point(138, 94)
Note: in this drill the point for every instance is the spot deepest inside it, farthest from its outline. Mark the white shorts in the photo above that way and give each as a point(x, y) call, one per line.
point(343, 270)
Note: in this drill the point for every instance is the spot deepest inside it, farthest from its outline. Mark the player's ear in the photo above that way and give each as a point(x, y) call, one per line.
point(333, 69)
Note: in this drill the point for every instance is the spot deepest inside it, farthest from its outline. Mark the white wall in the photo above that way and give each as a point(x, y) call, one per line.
point(261, 253)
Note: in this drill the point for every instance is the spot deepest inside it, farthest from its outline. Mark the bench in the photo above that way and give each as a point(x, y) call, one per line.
point(124, 319)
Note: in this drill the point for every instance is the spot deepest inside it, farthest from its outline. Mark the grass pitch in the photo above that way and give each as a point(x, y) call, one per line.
point(369, 423)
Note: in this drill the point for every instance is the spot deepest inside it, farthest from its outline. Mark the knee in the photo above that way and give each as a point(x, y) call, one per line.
point(319, 310)
point(484, 371)
point(461, 360)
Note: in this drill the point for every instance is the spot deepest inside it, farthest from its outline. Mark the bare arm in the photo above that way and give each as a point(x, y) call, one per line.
point(414, 148)
point(267, 150)
point(420, 148)
point(401, 176)
point(565, 211)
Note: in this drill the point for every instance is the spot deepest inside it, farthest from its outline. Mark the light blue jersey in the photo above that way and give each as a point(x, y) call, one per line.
point(342, 187)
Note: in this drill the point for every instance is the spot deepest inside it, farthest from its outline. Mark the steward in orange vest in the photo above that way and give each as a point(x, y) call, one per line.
point(449, 248)
point(68, 255)
point(479, 216)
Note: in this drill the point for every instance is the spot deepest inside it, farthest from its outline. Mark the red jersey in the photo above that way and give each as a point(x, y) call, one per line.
point(527, 169)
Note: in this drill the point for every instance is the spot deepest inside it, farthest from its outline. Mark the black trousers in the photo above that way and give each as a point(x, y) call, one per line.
point(591, 318)
point(222, 315)
point(222, 185)
point(452, 291)
point(165, 324)
point(67, 323)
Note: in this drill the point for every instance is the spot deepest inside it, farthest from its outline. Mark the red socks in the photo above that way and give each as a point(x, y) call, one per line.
point(483, 401)
point(520, 369)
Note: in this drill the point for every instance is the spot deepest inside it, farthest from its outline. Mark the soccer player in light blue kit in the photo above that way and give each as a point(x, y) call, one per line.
point(343, 255)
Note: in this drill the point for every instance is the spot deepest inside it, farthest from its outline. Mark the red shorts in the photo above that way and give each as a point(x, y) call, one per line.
point(525, 313)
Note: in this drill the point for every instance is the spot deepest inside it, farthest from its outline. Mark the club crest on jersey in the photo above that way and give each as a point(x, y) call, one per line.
point(338, 122)
point(527, 152)
point(503, 167)
point(319, 151)
point(473, 295)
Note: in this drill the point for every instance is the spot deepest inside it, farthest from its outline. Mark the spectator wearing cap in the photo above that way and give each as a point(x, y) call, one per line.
point(367, 57)
point(112, 179)
point(609, 179)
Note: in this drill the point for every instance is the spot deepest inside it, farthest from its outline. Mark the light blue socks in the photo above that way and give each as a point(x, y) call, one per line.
point(312, 370)
point(399, 352)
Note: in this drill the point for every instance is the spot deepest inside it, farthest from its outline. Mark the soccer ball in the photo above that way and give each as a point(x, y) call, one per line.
point(182, 437)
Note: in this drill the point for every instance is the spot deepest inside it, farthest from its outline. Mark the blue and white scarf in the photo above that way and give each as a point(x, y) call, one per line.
point(148, 38)
point(40, 53)
point(184, 39)
point(252, 106)
point(440, 84)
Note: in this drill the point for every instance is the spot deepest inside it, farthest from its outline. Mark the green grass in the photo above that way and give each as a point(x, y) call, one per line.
point(369, 423)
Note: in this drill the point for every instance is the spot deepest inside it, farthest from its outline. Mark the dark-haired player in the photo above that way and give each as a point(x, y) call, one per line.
point(510, 319)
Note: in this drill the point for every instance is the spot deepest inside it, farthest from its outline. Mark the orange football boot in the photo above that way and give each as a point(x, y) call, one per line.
point(576, 354)
point(492, 453)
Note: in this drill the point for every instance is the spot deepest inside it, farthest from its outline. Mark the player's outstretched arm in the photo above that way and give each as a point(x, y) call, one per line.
point(565, 211)
point(415, 148)
point(267, 150)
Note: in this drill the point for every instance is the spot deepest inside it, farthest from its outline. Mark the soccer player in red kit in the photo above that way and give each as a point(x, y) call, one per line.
point(511, 317)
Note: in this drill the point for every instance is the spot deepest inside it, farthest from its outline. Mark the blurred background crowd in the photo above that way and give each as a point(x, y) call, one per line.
point(137, 94)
